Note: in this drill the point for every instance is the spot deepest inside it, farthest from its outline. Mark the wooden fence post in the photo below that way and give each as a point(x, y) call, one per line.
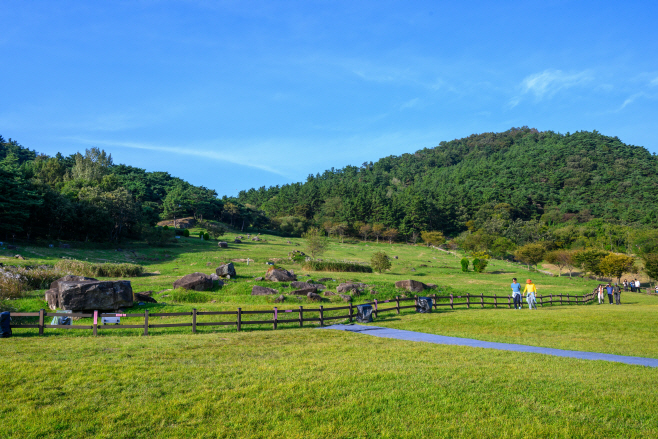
point(146, 322)
point(468, 300)
point(451, 302)
point(239, 319)
point(416, 301)
point(322, 315)
point(560, 299)
point(193, 320)
point(496, 301)
point(397, 302)
point(482, 299)
point(375, 308)
point(301, 316)
point(509, 301)
point(541, 301)
point(276, 316)
point(95, 323)
point(352, 313)
point(551, 300)
point(41, 313)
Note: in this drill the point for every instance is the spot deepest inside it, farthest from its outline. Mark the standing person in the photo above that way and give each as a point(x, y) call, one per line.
point(530, 290)
point(600, 294)
point(516, 294)
point(633, 285)
point(617, 292)
point(609, 290)
point(625, 285)
point(637, 286)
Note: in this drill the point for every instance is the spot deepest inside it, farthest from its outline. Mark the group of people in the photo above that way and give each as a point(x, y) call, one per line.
point(611, 290)
point(530, 291)
point(634, 285)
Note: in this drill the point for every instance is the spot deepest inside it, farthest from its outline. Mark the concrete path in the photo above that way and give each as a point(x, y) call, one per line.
point(399, 334)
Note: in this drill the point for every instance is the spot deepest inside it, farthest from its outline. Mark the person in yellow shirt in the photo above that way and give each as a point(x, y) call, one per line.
point(530, 291)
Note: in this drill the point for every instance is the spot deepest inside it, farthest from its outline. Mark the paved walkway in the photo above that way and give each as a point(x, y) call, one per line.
point(399, 334)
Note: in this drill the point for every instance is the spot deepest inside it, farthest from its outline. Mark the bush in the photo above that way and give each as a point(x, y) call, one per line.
point(206, 237)
point(15, 282)
point(89, 269)
point(186, 233)
point(479, 265)
point(380, 261)
point(189, 296)
point(166, 227)
point(464, 263)
point(337, 266)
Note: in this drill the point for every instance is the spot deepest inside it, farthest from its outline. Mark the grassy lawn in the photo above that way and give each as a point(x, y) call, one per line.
point(312, 383)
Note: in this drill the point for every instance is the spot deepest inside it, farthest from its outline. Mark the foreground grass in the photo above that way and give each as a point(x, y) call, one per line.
point(311, 383)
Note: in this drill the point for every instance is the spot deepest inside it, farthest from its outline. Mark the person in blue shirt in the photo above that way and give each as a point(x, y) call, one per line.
point(516, 293)
point(609, 290)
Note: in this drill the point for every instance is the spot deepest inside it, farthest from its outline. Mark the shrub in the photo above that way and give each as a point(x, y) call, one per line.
point(337, 266)
point(206, 237)
point(380, 261)
point(464, 263)
point(166, 227)
point(186, 233)
point(189, 296)
point(479, 265)
point(89, 269)
point(15, 282)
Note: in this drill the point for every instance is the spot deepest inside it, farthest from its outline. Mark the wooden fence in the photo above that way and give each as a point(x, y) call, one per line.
point(278, 316)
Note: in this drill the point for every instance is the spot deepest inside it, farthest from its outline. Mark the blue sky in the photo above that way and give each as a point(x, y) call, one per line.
point(238, 94)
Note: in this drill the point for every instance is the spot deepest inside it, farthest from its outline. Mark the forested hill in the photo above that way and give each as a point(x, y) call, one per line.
point(521, 173)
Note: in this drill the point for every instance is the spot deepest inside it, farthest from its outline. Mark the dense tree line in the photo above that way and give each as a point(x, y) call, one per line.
point(86, 197)
point(518, 176)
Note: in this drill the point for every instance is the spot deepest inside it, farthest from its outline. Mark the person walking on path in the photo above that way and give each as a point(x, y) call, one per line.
point(516, 294)
point(609, 290)
point(530, 290)
point(637, 285)
point(600, 294)
point(617, 292)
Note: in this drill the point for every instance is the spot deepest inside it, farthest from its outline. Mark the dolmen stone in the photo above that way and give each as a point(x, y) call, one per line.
point(411, 285)
point(226, 270)
point(144, 297)
point(304, 291)
point(257, 290)
point(279, 275)
point(79, 293)
point(195, 281)
point(314, 297)
point(222, 244)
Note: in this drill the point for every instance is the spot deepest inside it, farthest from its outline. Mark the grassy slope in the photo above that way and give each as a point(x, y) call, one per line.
point(312, 383)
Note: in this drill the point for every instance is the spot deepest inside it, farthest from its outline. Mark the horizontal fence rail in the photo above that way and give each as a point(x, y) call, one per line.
point(276, 316)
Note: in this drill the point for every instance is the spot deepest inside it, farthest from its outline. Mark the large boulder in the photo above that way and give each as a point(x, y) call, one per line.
point(226, 270)
point(222, 244)
point(314, 297)
point(304, 291)
point(411, 285)
point(279, 275)
point(257, 290)
point(87, 294)
point(195, 281)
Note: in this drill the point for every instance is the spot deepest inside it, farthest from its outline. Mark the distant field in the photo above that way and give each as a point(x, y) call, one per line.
point(312, 383)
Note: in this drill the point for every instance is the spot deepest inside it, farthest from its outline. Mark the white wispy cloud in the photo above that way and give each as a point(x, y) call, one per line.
point(630, 100)
point(544, 85)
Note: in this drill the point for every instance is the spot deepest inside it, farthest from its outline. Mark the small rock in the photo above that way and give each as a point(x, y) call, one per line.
point(195, 281)
point(213, 301)
point(259, 278)
point(325, 279)
point(226, 270)
point(432, 286)
point(222, 244)
point(413, 269)
point(257, 290)
point(144, 297)
point(208, 264)
point(373, 292)
point(237, 241)
point(395, 257)
point(304, 291)
point(19, 257)
point(329, 293)
point(314, 297)
point(280, 299)
point(346, 298)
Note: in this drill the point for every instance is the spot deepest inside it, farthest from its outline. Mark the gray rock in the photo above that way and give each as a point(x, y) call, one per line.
point(144, 297)
point(411, 285)
point(237, 241)
point(195, 281)
point(314, 297)
point(345, 287)
point(222, 244)
point(226, 270)
point(432, 286)
point(395, 257)
point(257, 290)
point(208, 264)
point(297, 284)
point(304, 291)
point(280, 275)
point(22, 258)
point(325, 279)
point(329, 293)
point(259, 278)
point(280, 299)
point(346, 298)
point(90, 295)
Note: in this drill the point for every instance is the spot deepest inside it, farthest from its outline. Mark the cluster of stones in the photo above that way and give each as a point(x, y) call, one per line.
point(203, 282)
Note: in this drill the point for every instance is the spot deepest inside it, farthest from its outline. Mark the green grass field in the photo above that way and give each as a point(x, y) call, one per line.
point(313, 383)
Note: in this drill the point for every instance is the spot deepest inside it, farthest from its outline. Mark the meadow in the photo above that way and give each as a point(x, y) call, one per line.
point(318, 383)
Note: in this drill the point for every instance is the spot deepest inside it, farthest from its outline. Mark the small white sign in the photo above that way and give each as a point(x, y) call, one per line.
point(108, 320)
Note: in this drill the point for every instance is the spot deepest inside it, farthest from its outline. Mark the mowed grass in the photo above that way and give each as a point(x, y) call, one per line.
point(311, 383)
point(318, 383)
